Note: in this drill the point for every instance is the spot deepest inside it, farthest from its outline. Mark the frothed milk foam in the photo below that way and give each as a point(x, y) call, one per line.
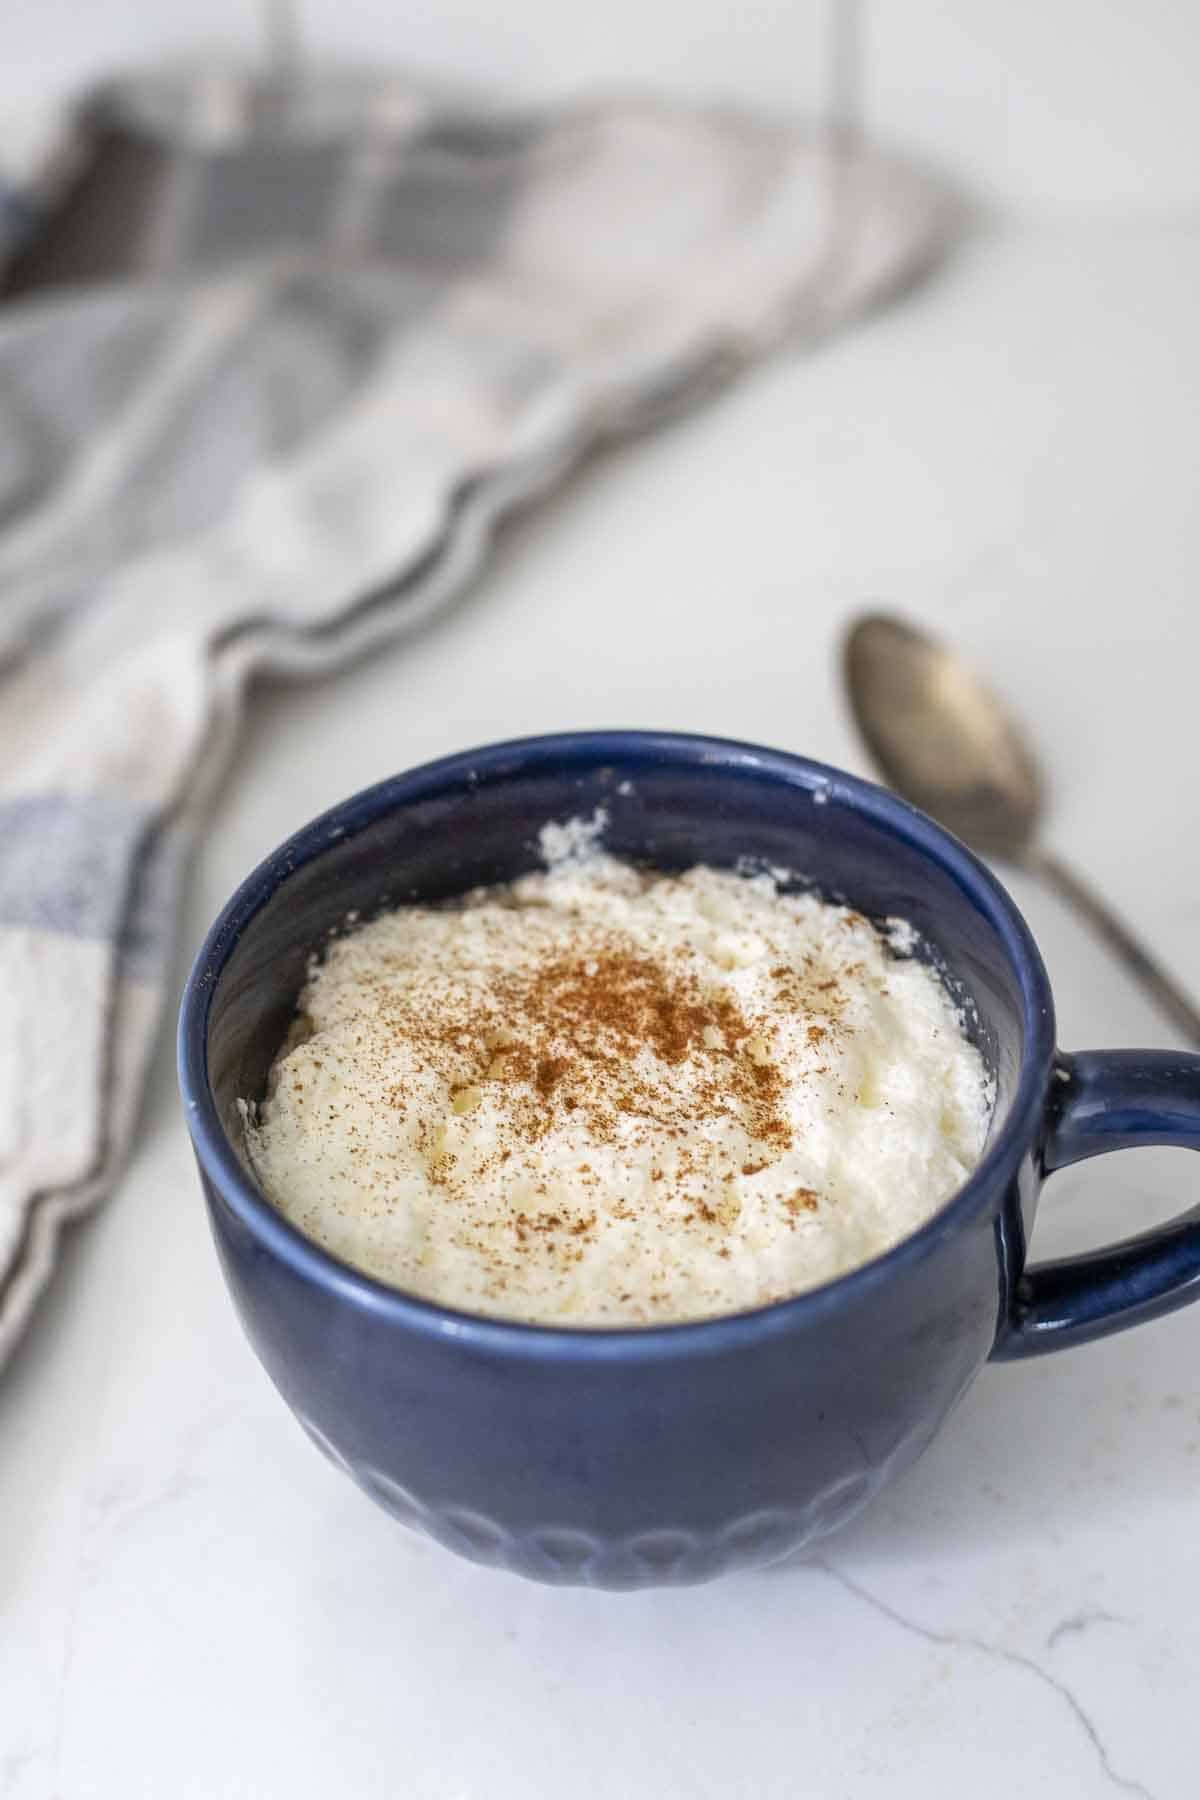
point(603, 1096)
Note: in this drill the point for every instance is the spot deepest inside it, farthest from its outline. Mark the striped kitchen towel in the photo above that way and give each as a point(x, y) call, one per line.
point(284, 464)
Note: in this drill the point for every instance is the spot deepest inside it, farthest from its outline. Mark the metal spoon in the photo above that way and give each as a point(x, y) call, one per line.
point(944, 741)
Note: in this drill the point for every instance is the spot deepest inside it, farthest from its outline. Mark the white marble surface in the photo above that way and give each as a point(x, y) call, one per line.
point(194, 1605)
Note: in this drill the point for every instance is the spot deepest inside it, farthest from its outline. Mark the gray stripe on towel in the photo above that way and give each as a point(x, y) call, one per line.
point(64, 862)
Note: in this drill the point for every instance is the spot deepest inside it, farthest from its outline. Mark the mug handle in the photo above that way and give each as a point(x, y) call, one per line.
point(1103, 1100)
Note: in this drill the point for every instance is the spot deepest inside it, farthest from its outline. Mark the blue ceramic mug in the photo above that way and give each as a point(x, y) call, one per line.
point(630, 1457)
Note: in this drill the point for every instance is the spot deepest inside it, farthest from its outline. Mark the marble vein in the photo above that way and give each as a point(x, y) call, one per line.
point(16, 1764)
point(1014, 1658)
point(1077, 1623)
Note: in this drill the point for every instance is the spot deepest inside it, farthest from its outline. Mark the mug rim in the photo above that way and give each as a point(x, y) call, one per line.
point(310, 1261)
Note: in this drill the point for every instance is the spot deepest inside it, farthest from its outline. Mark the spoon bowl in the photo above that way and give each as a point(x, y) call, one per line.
point(941, 737)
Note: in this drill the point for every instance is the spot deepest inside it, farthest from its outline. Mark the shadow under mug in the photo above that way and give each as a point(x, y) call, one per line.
point(625, 1458)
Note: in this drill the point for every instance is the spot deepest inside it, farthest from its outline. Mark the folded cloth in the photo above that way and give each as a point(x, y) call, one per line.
point(288, 463)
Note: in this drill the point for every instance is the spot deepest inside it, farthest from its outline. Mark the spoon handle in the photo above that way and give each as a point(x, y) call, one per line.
point(1171, 999)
